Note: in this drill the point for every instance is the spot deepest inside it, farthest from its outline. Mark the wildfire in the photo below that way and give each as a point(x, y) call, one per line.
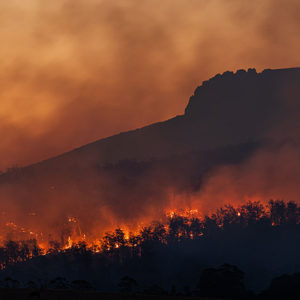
point(76, 236)
point(179, 224)
point(69, 244)
point(188, 213)
point(20, 231)
point(72, 220)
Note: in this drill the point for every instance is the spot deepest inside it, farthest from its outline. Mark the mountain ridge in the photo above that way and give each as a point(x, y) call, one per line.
point(237, 120)
point(202, 126)
point(175, 121)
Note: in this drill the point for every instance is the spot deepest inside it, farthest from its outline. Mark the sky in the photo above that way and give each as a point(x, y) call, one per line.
point(72, 71)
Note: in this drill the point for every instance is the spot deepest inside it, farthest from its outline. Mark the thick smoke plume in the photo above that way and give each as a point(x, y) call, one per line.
point(75, 71)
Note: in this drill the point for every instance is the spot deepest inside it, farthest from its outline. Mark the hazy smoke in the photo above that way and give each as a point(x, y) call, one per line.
point(272, 173)
point(75, 71)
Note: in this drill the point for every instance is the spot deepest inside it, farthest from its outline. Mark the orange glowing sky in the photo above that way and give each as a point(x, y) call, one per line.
point(75, 71)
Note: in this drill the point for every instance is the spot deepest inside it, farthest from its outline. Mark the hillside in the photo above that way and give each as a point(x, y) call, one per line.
point(231, 108)
point(127, 177)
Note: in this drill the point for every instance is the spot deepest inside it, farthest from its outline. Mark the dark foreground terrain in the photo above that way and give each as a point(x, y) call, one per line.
point(11, 294)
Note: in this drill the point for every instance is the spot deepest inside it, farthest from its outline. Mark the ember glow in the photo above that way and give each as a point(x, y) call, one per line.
point(187, 224)
point(68, 215)
point(72, 235)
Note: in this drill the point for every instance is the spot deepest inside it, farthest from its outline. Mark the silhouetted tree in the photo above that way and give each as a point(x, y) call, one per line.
point(127, 285)
point(277, 212)
point(283, 287)
point(81, 285)
point(226, 281)
point(59, 283)
point(11, 283)
point(155, 289)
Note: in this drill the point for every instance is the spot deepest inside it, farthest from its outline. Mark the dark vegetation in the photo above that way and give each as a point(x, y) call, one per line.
point(187, 256)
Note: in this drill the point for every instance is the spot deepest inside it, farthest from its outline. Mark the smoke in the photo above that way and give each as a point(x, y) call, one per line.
point(271, 173)
point(132, 194)
point(75, 71)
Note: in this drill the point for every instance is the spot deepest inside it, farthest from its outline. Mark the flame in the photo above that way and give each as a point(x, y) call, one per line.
point(187, 212)
point(126, 235)
point(76, 235)
point(69, 244)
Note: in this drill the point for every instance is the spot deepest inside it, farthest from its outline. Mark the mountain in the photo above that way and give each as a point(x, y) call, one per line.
point(126, 176)
point(231, 108)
